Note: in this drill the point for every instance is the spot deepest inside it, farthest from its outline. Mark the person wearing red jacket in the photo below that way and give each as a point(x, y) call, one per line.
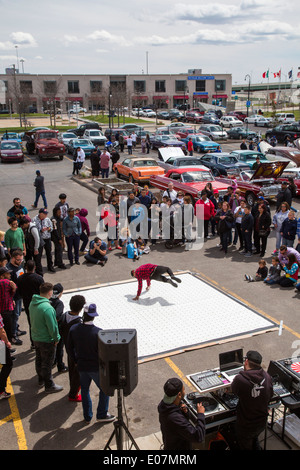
point(190, 147)
point(204, 210)
point(85, 233)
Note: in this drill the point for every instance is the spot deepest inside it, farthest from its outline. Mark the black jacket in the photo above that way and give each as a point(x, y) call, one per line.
point(247, 222)
point(177, 431)
point(284, 196)
point(224, 225)
point(252, 408)
point(262, 222)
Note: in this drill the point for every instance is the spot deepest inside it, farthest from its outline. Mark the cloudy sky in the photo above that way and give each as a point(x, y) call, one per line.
point(162, 36)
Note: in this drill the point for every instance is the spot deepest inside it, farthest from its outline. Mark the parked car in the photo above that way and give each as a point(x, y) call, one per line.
point(210, 118)
point(149, 113)
point(249, 156)
point(131, 127)
point(95, 136)
point(240, 133)
point(163, 115)
point(290, 153)
point(201, 143)
point(230, 121)
point(264, 179)
point(45, 144)
point(178, 124)
point(223, 164)
point(190, 180)
point(282, 131)
point(11, 151)
point(192, 116)
point(176, 162)
point(85, 144)
point(157, 141)
point(66, 137)
point(176, 114)
point(251, 119)
point(213, 131)
point(77, 110)
point(285, 117)
point(238, 114)
point(137, 169)
point(79, 131)
point(11, 136)
point(262, 121)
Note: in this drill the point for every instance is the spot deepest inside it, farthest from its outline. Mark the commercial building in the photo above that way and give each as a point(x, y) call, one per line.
point(94, 92)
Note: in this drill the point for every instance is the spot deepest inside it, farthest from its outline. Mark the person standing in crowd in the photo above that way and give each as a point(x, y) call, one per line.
point(253, 386)
point(95, 163)
point(39, 189)
point(16, 267)
point(174, 417)
point(208, 212)
point(29, 284)
point(247, 224)
point(129, 144)
point(45, 336)
point(83, 348)
point(79, 159)
point(224, 218)
point(7, 364)
point(57, 238)
point(7, 292)
point(121, 142)
point(243, 145)
point(280, 215)
point(289, 229)
point(32, 243)
point(147, 143)
point(45, 227)
point(57, 304)
point(14, 237)
point(70, 318)
point(85, 229)
point(17, 206)
point(104, 163)
point(283, 195)
point(115, 157)
point(170, 192)
point(190, 147)
point(262, 223)
point(63, 205)
point(72, 232)
point(134, 140)
point(238, 216)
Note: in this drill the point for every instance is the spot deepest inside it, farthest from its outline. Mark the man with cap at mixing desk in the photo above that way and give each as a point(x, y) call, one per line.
point(177, 431)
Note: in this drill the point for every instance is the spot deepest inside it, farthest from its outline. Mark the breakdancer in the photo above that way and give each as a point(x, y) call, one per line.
point(150, 272)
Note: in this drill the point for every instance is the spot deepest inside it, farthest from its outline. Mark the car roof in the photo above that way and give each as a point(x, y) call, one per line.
point(248, 152)
point(183, 169)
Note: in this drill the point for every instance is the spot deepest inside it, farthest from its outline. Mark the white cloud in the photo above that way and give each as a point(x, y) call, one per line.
point(24, 39)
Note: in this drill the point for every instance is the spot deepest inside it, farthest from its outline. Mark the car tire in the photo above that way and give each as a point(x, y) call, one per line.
point(131, 179)
point(61, 157)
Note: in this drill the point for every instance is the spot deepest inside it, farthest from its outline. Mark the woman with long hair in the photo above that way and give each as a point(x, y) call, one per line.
point(291, 269)
point(225, 219)
point(278, 219)
point(262, 223)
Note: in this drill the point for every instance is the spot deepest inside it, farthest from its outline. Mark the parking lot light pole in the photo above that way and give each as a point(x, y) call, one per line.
point(248, 100)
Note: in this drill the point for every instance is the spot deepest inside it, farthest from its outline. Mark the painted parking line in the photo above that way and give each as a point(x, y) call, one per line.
point(15, 417)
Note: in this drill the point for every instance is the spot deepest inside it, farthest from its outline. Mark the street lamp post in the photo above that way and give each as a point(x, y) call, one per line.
point(248, 101)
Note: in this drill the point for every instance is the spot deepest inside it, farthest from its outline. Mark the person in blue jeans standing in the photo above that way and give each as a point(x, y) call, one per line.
point(39, 189)
point(72, 231)
point(82, 346)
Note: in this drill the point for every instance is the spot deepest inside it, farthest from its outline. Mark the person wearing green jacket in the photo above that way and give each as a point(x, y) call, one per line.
point(45, 336)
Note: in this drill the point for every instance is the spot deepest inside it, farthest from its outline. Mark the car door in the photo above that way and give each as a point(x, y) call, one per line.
point(124, 169)
point(207, 161)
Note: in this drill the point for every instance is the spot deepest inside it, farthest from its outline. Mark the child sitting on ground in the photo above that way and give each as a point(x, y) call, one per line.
point(274, 272)
point(261, 273)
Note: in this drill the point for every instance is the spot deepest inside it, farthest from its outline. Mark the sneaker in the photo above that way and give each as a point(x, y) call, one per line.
point(242, 252)
point(77, 399)
point(16, 341)
point(251, 279)
point(55, 388)
point(248, 255)
point(107, 419)
point(21, 332)
point(246, 277)
point(5, 395)
point(176, 279)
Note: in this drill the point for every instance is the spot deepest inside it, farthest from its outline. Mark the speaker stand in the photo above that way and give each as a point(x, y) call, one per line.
point(120, 427)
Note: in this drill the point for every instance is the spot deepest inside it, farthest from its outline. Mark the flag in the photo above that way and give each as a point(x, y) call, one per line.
point(266, 74)
point(298, 75)
point(290, 74)
point(277, 74)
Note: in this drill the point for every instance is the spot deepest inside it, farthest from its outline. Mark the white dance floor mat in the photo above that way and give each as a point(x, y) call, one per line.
point(171, 320)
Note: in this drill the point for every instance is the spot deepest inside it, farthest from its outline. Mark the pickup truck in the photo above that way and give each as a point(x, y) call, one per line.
point(46, 144)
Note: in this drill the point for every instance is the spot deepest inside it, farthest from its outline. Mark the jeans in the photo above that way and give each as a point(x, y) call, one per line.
point(104, 172)
point(6, 370)
point(15, 317)
point(48, 249)
point(85, 381)
point(288, 243)
point(44, 358)
point(93, 259)
point(73, 241)
point(247, 241)
point(37, 197)
point(85, 239)
point(225, 240)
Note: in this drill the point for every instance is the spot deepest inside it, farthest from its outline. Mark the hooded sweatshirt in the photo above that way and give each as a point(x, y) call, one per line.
point(84, 222)
point(252, 408)
point(44, 327)
point(177, 431)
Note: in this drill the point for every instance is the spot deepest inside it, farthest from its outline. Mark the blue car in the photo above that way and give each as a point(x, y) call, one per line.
point(85, 144)
point(202, 143)
point(11, 136)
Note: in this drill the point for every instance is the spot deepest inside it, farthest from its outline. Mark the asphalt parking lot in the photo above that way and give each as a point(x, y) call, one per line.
point(35, 421)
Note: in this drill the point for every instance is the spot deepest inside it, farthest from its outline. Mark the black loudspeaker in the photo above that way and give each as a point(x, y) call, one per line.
point(118, 361)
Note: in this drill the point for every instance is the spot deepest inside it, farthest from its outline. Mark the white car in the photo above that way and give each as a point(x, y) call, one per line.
point(262, 121)
point(136, 112)
point(149, 113)
point(264, 148)
point(77, 110)
point(285, 117)
point(251, 119)
point(95, 136)
point(230, 121)
point(66, 137)
point(214, 131)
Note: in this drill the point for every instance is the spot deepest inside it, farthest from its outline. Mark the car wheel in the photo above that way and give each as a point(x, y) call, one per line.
point(61, 157)
point(117, 174)
point(131, 179)
point(250, 198)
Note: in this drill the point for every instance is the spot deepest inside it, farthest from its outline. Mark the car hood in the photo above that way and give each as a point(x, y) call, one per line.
point(269, 170)
point(11, 151)
point(297, 143)
point(217, 185)
point(167, 152)
point(48, 142)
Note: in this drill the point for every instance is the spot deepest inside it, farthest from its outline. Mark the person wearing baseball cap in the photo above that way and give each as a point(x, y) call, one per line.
point(177, 431)
point(253, 387)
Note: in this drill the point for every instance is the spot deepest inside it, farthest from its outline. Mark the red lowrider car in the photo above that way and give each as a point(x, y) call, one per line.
point(190, 180)
point(264, 179)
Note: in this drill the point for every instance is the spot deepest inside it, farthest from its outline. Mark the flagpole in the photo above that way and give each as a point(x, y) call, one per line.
point(268, 90)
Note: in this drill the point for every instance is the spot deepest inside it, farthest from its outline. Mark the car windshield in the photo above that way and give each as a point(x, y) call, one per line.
point(69, 136)
point(194, 176)
point(202, 138)
point(145, 163)
point(228, 160)
point(83, 142)
point(10, 135)
point(95, 133)
point(215, 129)
point(10, 145)
point(48, 135)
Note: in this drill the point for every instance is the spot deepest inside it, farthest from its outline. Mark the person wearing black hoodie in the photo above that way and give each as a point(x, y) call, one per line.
point(253, 386)
point(58, 306)
point(177, 431)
